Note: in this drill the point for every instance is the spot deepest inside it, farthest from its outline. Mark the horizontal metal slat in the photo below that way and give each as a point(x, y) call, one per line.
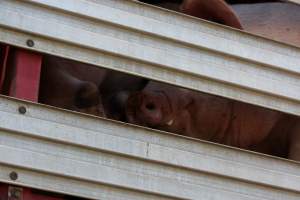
point(144, 41)
point(69, 148)
point(66, 185)
point(182, 28)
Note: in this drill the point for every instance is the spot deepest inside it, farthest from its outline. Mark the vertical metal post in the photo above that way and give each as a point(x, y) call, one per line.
point(25, 83)
point(26, 68)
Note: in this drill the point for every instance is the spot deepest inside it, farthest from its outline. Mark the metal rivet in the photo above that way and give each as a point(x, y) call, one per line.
point(30, 43)
point(22, 110)
point(13, 175)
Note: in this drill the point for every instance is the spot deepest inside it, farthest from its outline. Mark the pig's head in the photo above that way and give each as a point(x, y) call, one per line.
point(161, 107)
point(189, 113)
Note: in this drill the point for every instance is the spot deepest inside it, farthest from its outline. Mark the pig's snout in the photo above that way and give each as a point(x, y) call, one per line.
point(144, 109)
point(151, 110)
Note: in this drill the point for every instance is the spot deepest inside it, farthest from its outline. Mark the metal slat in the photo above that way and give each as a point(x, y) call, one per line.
point(67, 185)
point(66, 149)
point(161, 45)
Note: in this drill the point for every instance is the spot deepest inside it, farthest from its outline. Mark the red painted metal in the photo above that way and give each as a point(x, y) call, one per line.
point(3, 191)
point(21, 193)
point(4, 50)
point(25, 83)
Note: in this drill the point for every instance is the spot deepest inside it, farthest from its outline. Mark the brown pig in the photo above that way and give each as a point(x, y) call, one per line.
point(215, 119)
point(85, 88)
point(71, 85)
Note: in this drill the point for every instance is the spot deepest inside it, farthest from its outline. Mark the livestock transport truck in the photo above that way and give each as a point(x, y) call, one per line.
point(47, 153)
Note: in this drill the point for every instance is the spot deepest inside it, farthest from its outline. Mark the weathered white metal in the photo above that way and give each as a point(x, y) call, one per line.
point(159, 44)
point(95, 158)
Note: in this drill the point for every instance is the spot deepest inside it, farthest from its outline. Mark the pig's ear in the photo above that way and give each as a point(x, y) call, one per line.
point(213, 10)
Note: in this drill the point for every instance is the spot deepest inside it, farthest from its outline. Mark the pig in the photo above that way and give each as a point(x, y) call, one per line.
point(216, 119)
point(212, 10)
point(85, 88)
point(278, 21)
point(274, 19)
point(70, 85)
